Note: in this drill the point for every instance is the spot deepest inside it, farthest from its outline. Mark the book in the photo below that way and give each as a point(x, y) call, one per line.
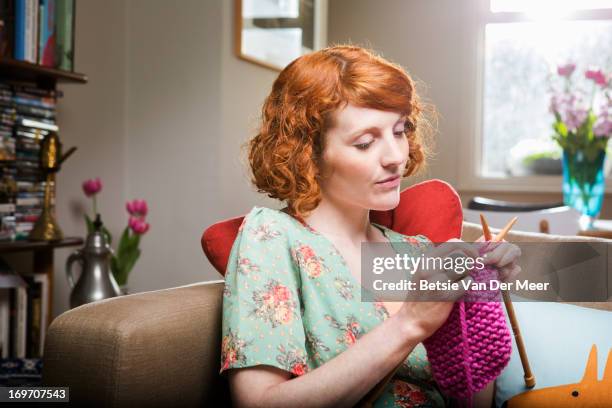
point(5, 315)
point(19, 329)
point(64, 40)
point(26, 89)
point(35, 111)
point(19, 50)
point(22, 90)
point(33, 8)
point(7, 207)
point(26, 30)
point(36, 303)
point(43, 280)
point(32, 100)
point(30, 201)
point(47, 47)
point(38, 124)
point(33, 134)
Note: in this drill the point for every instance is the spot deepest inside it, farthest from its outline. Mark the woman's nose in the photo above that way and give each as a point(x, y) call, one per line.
point(395, 151)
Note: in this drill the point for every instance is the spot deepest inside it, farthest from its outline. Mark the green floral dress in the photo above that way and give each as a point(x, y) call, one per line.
point(290, 301)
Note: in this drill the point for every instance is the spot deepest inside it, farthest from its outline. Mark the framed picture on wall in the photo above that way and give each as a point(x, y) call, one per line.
point(272, 33)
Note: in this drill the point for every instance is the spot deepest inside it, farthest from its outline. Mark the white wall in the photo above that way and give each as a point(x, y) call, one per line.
point(189, 106)
point(173, 127)
point(244, 88)
point(92, 117)
point(162, 118)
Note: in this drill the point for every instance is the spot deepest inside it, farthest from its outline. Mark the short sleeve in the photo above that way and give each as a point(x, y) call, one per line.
point(262, 307)
point(420, 241)
point(415, 244)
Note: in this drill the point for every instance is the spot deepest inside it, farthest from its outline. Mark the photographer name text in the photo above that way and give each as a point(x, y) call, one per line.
point(493, 284)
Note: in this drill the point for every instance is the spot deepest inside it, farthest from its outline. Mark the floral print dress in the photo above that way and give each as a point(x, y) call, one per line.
point(290, 301)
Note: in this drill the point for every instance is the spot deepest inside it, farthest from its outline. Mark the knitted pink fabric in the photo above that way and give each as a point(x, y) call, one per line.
point(474, 344)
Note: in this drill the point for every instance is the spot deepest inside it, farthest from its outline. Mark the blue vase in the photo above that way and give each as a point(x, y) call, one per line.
point(584, 184)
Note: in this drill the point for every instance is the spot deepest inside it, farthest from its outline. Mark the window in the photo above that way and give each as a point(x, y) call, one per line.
point(524, 41)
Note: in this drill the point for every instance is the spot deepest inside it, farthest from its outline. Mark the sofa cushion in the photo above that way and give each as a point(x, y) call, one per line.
point(558, 338)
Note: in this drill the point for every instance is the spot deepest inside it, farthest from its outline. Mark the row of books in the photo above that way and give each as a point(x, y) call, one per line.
point(27, 115)
point(23, 317)
point(38, 31)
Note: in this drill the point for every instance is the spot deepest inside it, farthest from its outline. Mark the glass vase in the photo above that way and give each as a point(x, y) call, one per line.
point(584, 184)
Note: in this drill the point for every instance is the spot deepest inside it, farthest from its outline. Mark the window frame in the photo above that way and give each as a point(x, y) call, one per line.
point(470, 177)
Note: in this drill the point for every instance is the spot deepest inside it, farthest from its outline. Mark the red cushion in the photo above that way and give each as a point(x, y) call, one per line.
point(431, 208)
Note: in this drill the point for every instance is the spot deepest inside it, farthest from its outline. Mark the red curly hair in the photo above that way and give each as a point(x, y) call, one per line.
point(284, 155)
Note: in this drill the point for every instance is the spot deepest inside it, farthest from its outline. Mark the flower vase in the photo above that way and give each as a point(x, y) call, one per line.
point(584, 183)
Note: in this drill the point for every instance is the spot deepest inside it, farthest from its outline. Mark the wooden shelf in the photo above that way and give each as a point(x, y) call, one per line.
point(20, 246)
point(44, 76)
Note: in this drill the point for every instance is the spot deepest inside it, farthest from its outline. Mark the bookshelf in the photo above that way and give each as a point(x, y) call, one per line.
point(43, 77)
point(35, 76)
point(22, 42)
point(21, 246)
point(43, 260)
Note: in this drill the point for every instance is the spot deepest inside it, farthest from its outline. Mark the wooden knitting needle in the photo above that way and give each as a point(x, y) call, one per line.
point(485, 228)
point(374, 393)
point(528, 375)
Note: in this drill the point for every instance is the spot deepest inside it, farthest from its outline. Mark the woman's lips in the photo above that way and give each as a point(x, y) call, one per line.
point(390, 183)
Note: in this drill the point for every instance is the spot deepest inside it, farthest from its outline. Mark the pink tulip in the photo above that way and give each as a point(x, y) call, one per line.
point(566, 70)
point(137, 208)
point(92, 186)
point(597, 76)
point(138, 225)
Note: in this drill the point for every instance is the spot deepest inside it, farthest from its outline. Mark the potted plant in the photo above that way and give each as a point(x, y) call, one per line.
point(582, 109)
point(127, 253)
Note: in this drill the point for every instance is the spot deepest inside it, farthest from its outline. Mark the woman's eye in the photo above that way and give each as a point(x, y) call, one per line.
point(400, 133)
point(363, 146)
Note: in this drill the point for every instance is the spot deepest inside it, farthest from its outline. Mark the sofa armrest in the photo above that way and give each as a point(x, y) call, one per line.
point(159, 348)
point(471, 232)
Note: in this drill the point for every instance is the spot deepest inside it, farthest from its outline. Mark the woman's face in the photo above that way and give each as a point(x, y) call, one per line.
point(365, 147)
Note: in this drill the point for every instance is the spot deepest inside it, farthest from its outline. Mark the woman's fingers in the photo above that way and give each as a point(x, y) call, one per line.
point(510, 272)
point(502, 255)
point(464, 285)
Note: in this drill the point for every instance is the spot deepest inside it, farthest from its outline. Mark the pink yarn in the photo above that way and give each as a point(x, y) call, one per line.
point(474, 344)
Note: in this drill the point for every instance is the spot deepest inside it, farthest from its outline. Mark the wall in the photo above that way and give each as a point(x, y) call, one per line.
point(162, 118)
point(172, 115)
point(92, 117)
point(189, 106)
point(244, 88)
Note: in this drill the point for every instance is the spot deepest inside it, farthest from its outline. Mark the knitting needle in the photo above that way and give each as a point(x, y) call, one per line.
point(528, 375)
point(371, 396)
point(485, 228)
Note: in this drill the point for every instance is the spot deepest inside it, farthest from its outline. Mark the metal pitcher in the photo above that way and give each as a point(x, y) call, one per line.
point(96, 281)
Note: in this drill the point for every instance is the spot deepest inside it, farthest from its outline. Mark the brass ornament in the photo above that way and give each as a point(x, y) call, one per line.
point(46, 227)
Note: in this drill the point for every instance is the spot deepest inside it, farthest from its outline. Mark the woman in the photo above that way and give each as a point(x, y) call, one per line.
point(339, 129)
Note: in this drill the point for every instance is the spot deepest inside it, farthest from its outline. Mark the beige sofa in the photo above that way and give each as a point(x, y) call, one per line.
point(158, 348)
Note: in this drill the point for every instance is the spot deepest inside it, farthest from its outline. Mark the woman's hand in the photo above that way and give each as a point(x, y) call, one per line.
point(427, 310)
point(504, 256)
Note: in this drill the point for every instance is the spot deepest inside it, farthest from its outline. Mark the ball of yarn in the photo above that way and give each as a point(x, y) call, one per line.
point(474, 344)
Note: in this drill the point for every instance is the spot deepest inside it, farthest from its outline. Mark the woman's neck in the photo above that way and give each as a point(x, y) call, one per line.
point(349, 224)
